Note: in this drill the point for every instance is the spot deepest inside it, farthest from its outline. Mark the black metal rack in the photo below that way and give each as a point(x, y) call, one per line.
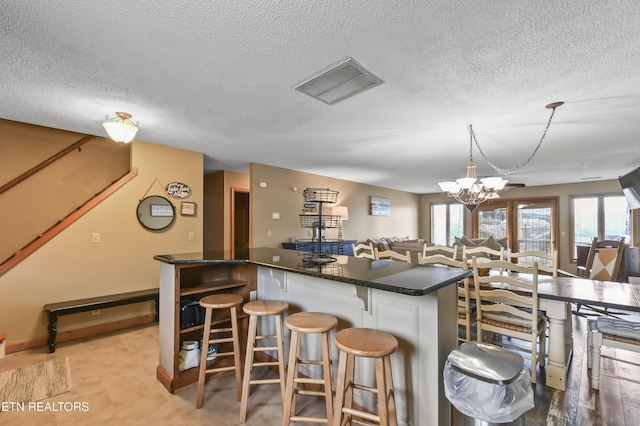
point(317, 250)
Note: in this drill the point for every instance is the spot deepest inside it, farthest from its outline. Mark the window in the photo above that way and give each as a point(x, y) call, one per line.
point(447, 222)
point(607, 217)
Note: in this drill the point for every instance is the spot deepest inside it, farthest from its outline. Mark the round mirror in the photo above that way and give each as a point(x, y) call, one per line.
point(156, 213)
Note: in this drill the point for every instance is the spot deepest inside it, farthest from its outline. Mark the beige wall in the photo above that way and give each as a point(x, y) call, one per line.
point(23, 143)
point(563, 192)
point(71, 267)
point(279, 197)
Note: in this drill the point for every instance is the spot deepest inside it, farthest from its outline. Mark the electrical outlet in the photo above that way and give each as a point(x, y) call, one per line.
point(191, 236)
point(269, 234)
point(95, 312)
point(275, 216)
point(95, 238)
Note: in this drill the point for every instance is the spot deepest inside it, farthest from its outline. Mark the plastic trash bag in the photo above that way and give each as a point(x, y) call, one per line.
point(487, 401)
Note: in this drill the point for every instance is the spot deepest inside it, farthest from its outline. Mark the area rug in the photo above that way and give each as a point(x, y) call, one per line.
point(36, 382)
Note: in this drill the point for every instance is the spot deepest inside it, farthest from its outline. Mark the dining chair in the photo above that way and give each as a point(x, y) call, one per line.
point(451, 252)
point(613, 333)
point(603, 267)
point(547, 262)
point(393, 255)
point(466, 304)
point(603, 264)
point(508, 305)
point(484, 254)
point(470, 252)
point(363, 250)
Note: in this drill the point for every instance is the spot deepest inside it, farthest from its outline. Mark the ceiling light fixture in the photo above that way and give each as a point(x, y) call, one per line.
point(471, 192)
point(121, 129)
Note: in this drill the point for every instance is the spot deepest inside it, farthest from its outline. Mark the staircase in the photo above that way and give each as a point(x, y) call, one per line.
point(50, 178)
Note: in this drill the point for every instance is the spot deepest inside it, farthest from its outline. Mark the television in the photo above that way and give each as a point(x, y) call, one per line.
point(631, 188)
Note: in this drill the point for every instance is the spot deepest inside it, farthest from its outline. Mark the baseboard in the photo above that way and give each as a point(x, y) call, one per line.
point(65, 336)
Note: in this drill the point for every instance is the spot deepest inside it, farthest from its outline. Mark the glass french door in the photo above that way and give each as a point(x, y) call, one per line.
point(527, 224)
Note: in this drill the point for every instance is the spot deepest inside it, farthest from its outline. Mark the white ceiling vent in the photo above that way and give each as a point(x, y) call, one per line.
point(339, 81)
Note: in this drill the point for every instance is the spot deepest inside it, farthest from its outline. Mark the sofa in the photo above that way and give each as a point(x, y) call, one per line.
point(416, 245)
point(399, 245)
point(488, 242)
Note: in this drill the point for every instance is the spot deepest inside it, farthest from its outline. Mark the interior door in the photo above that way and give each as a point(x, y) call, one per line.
point(240, 223)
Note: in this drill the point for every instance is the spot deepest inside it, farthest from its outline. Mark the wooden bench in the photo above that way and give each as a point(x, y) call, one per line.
point(54, 310)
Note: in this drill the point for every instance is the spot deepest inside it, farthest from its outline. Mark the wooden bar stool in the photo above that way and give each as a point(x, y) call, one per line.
point(366, 343)
point(219, 301)
point(309, 323)
point(255, 309)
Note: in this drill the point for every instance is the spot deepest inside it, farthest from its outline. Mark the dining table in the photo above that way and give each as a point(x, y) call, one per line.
point(556, 295)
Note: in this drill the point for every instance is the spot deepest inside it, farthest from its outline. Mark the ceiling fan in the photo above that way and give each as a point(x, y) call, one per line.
point(512, 185)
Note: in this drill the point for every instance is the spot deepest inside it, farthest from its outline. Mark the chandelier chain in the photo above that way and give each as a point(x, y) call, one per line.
point(506, 172)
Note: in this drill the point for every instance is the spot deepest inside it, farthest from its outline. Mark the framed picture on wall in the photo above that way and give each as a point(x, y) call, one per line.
point(380, 206)
point(188, 208)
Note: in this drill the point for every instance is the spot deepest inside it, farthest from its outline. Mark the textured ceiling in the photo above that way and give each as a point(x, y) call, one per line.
point(217, 77)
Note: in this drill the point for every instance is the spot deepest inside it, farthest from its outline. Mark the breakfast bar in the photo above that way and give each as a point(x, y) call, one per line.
point(415, 303)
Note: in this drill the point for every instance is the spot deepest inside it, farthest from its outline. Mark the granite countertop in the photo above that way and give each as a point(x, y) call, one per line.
point(389, 275)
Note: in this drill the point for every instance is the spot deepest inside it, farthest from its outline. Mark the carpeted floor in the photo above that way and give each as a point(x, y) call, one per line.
point(35, 382)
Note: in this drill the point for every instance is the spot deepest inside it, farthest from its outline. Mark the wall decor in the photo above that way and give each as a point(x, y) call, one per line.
point(188, 208)
point(155, 213)
point(161, 210)
point(380, 206)
point(178, 190)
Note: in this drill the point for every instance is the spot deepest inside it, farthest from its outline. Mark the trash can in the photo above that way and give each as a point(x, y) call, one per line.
point(488, 385)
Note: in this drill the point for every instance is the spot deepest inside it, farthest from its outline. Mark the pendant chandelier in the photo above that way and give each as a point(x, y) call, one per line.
point(469, 190)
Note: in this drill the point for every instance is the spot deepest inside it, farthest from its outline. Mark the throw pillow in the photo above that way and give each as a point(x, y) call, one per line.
point(464, 241)
point(491, 243)
point(381, 244)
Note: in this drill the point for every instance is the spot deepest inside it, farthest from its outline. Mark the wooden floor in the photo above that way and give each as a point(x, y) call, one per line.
point(616, 403)
point(115, 375)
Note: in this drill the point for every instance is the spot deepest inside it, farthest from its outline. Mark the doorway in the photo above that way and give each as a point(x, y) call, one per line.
point(240, 223)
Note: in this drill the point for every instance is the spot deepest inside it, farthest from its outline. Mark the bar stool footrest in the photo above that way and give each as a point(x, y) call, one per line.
point(265, 348)
point(309, 381)
point(307, 419)
point(222, 340)
point(221, 330)
point(362, 414)
point(261, 337)
point(264, 381)
point(309, 362)
point(310, 392)
point(219, 369)
point(366, 388)
point(265, 364)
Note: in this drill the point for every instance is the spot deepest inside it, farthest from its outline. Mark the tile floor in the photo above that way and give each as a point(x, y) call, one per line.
point(115, 375)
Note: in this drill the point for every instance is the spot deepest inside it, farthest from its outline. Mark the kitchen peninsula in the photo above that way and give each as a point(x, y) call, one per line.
point(415, 303)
